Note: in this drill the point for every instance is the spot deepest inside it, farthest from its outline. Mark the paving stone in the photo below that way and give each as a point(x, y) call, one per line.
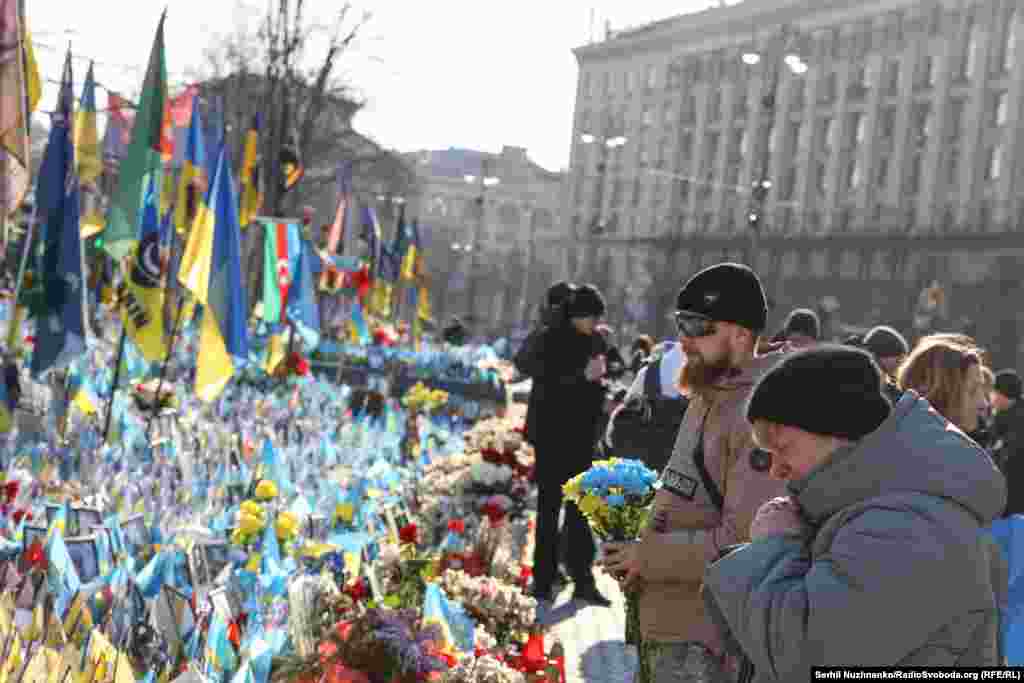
point(593, 637)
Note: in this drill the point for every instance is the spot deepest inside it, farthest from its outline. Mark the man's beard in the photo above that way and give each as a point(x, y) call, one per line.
point(697, 375)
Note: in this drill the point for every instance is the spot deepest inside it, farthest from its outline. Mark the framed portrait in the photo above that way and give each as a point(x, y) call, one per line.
point(226, 601)
point(136, 535)
point(85, 518)
point(85, 555)
point(51, 514)
point(180, 608)
point(207, 561)
point(318, 526)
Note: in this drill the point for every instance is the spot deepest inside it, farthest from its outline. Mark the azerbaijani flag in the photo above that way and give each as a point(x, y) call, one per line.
point(281, 248)
point(151, 144)
point(211, 269)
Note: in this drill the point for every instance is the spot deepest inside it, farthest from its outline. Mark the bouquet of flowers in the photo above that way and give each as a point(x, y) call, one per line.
point(615, 498)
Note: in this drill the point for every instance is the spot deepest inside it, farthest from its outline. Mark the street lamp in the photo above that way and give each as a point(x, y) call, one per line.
point(762, 184)
point(484, 181)
point(607, 142)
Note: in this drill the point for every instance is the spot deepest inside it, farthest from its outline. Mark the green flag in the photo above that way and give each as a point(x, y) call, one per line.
point(151, 143)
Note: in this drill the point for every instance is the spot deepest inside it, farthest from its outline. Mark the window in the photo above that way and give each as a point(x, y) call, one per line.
point(1010, 43)
point(858, 83)
point(646, 116)
point(956, 118)
point(886, 122)
point(882, 173)
point(828, 133)
point(711, 147)
point(853, 175)
point(606, 83)
point(656, 192)
point(585, 84)
point(914, 175)
point(925, 77)
point(797, 103)
point(891, 77)
point(686, 147)
point(617, 192)
point(857, 127)
point(688, 110)
point(638, 189)
point(651, 77)
point(971, 58)
point(627, 82)
point(922, 121)
point(714, 104)
point(894, 30)
point(827, 89)
point(995, 163)
point(953, 167)
point(999, 108)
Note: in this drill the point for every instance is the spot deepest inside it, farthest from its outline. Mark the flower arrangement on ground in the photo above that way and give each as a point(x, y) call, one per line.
point(615, 497)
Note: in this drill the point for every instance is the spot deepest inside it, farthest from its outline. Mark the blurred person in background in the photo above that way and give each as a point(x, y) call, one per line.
point(878, 555)
point(802, 328)
point(889, 349)
point(639, 351)
point(1008, 435)
point(571, 365)
point(946, 370)
point(983, 434)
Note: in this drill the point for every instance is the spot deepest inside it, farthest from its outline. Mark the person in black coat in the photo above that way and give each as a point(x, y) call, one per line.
point(571, 364)
point(1008, 433)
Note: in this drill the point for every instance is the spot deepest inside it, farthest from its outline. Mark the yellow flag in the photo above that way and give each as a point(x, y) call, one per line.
point(33, 82)
point(275, 352)
point(141, 295)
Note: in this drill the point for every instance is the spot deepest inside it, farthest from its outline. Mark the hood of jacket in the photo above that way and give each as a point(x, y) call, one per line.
point(915, 451)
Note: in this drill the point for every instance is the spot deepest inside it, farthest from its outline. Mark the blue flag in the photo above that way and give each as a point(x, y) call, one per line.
point(61, 575)
point(302, 308)
point(60, 330)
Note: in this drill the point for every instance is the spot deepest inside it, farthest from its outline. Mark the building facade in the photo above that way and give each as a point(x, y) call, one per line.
point(885, 137)
point(490, 219)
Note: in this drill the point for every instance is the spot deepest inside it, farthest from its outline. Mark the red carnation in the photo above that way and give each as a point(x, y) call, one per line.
point(409, 534)
point(457, 525)
point(495, 513)
point(357, 590)
point(492, 456)
point(20, 515)
point(11, 490)
point(35, 556)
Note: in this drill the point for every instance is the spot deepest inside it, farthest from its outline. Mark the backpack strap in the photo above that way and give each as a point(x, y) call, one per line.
point(652, 381)
point(714, 493)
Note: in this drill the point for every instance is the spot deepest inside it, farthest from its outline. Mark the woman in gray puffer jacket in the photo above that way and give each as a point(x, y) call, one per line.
point(879, 555)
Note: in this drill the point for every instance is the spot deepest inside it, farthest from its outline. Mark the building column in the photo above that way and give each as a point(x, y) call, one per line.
point(868, 152)
point(973, 148)
point(805, 194)
point(697, 174)
point(933, 178)
point(1011, 187)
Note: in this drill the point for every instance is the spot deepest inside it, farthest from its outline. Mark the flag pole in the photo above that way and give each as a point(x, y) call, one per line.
point(117, 380)
point(163, 366)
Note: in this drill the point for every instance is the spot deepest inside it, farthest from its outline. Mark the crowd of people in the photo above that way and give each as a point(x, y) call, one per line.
point(821, 503)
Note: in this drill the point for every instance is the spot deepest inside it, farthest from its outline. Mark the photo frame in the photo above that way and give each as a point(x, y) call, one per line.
point(207, 560)
point(318, 526)
point(180, 609)
point(51, 514)
point(136, 535)
point(85, 556)
point(85, 518)
point(227, 602)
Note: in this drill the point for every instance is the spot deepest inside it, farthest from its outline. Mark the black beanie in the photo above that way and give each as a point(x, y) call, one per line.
point(885, 342)
point(586, 301)
point(559, 293)
point(832, 390)
point(727, 292)
point(1008, 384)
point(803, 321)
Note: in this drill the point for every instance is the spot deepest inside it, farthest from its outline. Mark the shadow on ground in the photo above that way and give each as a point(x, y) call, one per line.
point(608, 660)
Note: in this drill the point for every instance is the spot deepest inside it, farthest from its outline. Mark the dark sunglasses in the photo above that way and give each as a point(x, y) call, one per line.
point(694, 325)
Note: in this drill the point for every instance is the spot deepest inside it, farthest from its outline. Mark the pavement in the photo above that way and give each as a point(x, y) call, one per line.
point(593, 637)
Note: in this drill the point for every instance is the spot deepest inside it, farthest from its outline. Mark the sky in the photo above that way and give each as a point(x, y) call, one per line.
point(476, 74)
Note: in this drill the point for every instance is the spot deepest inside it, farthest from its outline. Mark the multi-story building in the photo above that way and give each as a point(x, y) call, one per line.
point(887, 136)
point(489, 217)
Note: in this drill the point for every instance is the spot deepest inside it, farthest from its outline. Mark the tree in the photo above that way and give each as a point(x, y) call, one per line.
point(268, 72)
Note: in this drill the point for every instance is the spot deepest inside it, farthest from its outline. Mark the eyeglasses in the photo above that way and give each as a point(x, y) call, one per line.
point(694, 325)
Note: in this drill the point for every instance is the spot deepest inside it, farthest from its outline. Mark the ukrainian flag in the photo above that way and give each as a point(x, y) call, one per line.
point(211, 270)
point(87, 137)
point(458, 628)
point(249, 178)
point(191, 185)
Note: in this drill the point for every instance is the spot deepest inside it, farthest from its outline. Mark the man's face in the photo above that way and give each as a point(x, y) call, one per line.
point(708, 356)
point(585, 325)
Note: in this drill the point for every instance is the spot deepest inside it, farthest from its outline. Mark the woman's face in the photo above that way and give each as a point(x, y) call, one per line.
point(974, 400)
point(585, 325)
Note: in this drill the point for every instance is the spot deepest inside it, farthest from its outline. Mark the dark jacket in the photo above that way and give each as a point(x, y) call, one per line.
point(898, 569)
point(567, 412)
point(527, 362)
point(1008, 452)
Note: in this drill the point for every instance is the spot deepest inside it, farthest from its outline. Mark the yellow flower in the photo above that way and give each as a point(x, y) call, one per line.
point(253, 565)
point(253, 508)
point(287, 525)
point(571, 488)
point(266, 490)
point(345, 512)
point(250, 525)
point(590, 504)
point(238, 537)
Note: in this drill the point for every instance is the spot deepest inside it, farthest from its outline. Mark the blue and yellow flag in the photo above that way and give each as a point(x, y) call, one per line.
point(249, 177)
point(89, 158)
point(211, 270)
point(192, 184)
point(141, 292)
point(458, 628)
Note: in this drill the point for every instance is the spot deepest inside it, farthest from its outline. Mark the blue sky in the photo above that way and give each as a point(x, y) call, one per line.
point(436, 74)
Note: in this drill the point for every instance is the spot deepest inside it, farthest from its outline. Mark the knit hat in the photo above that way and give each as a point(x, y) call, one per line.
point(1008, 384)
point(803, 321)
point(586, 301)
point(832, 390)
point(727, 292)
point(885, 342)
point(559, 293)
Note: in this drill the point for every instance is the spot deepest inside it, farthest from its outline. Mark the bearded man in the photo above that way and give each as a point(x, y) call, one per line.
point(713, 484)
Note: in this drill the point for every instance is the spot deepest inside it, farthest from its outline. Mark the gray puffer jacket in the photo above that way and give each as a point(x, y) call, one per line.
point(899, 569)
